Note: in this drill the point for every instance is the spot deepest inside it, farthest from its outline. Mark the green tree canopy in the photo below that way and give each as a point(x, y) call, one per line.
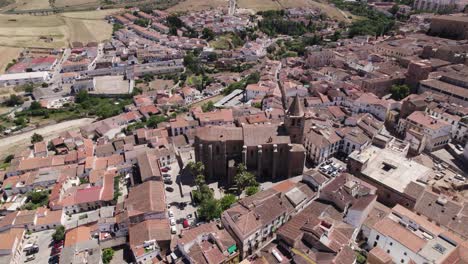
point(251, 190)
point(227, 201)
point(208, 34)
point(244, 178)
point(154, 120)
point(35, 105)
point(36, 138)
point(107, 255)
point(81, 96)
point(59, 233)
point(14, 100)
point(208, 106)
point(399, 91)
point(195, 168)
point(209, 209)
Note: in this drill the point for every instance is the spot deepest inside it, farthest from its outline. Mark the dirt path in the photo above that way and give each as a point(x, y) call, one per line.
point(10, 145)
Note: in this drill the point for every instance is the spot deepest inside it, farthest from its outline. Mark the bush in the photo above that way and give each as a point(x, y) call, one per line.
point(14, 100)
point(251, 190)
point(208, 106)
point(107, 255)
point(142, 22)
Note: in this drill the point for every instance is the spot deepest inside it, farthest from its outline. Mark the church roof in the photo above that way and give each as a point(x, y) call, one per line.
point(296, 108)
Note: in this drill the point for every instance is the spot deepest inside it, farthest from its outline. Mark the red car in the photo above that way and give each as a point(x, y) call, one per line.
point(164, 169)
point(186, 223)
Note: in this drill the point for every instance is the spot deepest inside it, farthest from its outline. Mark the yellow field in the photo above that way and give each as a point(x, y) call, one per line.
point(91, 15)
point(27, 30)
point(88, 30)
point(260, 5)
point(197, 5)
point(29, 5)
point(8, 54)
point(72, 3)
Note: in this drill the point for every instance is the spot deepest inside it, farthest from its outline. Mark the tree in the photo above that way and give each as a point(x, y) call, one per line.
point(59, 233)
point(200, 180)
point(251, 190)
point(81, 96)
point(35, 105)
point(9, 158)
point(14, 100)
point(208, 106)
point(399, 91)
point(116, 27)
point(336, 35)
point(36, 138)
point(142, 22)
point(212, 57)
point(209, 209)
point(394, 9)
point(195, 168)
point(208, 34)
point(20, 121)
point(154, 120)
point(174, 21)
point(227, 201)
point(107, 255)
point(28, 88)
point(244, 178)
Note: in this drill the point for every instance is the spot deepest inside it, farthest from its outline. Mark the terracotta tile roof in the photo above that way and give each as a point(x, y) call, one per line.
point(8, 238)
point(437, 208)
point(25, 218)
point(40, 147)
point(145, 198)
point(157, 229)
point(381, 255)
point(87, 195)
point(77, 235)
point(392, 229)
point(49, 217)
point(427, 121)
point(148, 165)
point(222, 115)
point(107, 193)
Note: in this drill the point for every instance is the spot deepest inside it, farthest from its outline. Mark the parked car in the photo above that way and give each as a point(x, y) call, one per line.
point(30, 258)
point(186, 223)
point(166, 175)
point(167, 181)
point(169, 189)
point(172, 222)
point(55, 259)
point(173, 230)
point(171, 214)
point(164, 169)
point(189, 216)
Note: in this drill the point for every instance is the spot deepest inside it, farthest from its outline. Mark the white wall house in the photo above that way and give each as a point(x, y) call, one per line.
point(23, 78)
